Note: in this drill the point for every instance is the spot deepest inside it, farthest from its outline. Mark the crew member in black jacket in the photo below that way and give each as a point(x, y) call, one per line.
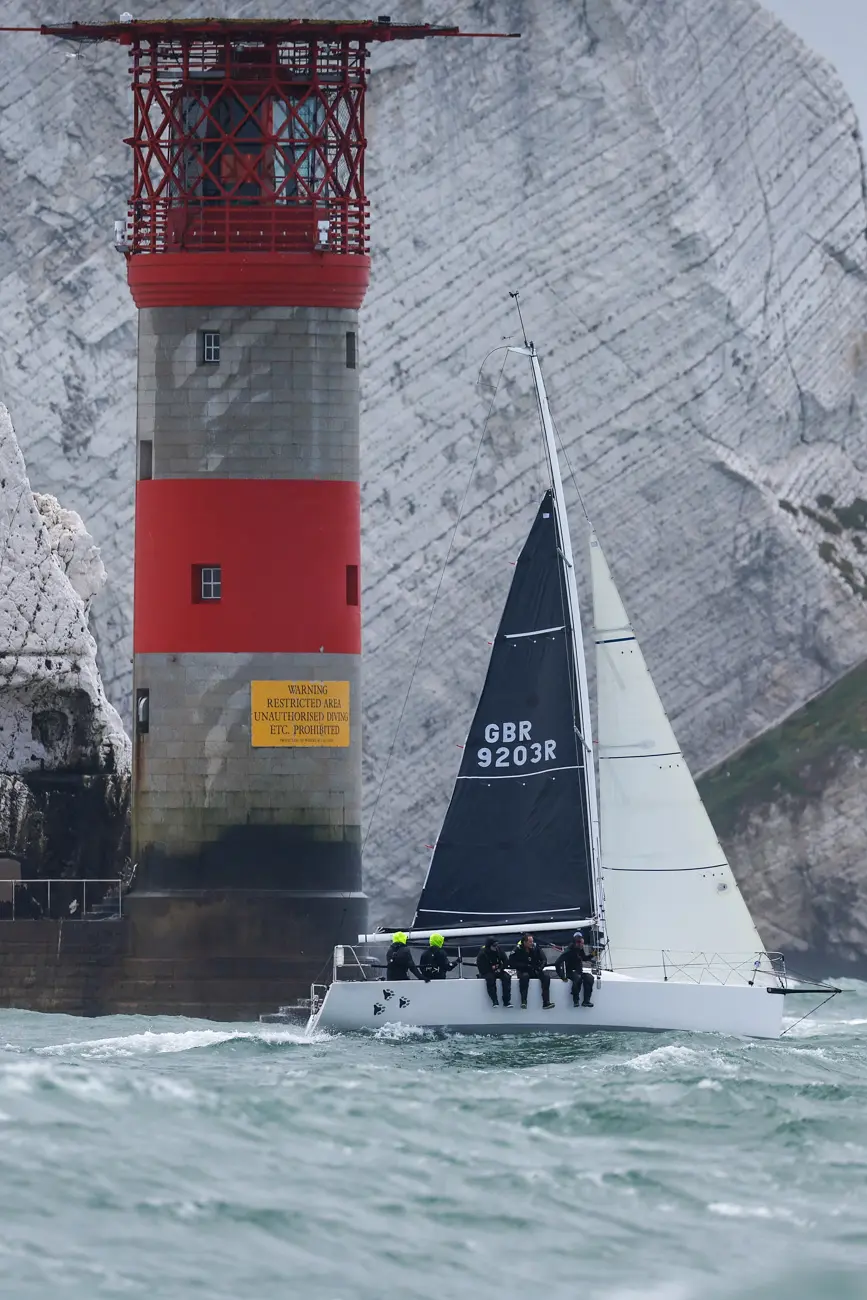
point(491, 965)
point(434, 964)
point(399, 961)
point(529, 960)
point(570, 967)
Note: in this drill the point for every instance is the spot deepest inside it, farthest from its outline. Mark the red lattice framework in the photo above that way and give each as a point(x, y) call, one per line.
point(253, 145)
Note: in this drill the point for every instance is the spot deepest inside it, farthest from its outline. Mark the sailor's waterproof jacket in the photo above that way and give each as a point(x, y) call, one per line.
point(528, 961)
point(399, 962)
point(434, 964)
point(490, 961)
point(571, 960)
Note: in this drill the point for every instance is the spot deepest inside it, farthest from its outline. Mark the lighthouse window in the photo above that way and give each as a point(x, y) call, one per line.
point(207, 583)
point(351, 354)
point(209, 348)
point(142, 711)
point(298, 164)
point(146, 458)
point(212, 582)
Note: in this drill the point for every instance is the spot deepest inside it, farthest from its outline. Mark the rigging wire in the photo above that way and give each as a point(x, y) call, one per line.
point(433, 605)
point(587, 518)
point(810, 1013)
point(588, 332)
point(527, 344)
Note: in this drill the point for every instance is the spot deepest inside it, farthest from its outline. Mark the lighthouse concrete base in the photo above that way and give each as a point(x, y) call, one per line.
point(220, 956)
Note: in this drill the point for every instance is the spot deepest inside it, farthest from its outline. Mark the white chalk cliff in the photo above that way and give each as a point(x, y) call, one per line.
point(54, 715)
point(677, 187)
point(64, 755)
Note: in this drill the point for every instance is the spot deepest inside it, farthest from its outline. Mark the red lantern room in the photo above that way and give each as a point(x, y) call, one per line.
point(249, 138)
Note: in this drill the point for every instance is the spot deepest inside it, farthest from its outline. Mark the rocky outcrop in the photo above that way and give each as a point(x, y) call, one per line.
point(790, 811)
point(55, 714)
point(64, 755)
point(802, 862)
point(677, 187)
point(72, 547)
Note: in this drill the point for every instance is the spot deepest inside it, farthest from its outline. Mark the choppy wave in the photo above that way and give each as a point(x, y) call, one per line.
point(169, 1158)
point(186, 1040)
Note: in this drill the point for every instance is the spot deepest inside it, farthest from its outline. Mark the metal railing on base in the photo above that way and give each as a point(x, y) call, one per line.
point(59, 899)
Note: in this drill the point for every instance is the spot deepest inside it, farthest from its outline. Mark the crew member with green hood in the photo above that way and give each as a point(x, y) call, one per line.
point(399, 961)
point(434, 964)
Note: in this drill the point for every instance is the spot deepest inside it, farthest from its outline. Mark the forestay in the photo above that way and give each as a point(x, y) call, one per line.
point(668, 885)
point(515, 846)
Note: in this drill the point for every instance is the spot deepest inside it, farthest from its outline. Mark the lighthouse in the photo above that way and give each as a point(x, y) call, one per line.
point(247, 251)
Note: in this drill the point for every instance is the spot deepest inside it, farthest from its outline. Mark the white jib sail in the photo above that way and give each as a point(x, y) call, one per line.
point(672, 906)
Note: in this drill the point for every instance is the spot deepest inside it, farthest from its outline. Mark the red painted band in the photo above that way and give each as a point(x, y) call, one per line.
point(248, 279)
point(283, 546)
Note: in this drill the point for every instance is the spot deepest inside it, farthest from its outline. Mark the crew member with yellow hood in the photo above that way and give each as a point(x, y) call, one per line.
point(399, 960)
point(434, 964)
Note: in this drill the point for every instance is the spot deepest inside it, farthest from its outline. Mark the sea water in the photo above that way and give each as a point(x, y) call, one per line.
point(173, 1159)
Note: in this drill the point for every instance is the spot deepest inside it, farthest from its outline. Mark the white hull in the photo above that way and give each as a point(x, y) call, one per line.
point(463, 1006)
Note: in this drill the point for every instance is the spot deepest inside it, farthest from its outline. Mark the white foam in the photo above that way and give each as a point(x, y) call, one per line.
point(150, 1042)
point(186, 1210)
point(22, 1077)
point(396, 1033)
point(730, 1211)
point(678, 1054)
point(26, 1076)
point(163, 1089)
point(807, 1053)
point(808, 1028)
point(670, 1053)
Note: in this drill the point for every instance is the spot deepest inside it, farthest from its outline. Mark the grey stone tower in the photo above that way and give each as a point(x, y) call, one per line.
point(247, 797)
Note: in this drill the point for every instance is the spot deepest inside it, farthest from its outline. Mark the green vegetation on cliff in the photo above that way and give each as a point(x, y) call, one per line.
point(792, 759)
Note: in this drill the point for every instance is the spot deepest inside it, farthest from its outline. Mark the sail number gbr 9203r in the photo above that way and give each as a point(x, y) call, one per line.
point(510, 745)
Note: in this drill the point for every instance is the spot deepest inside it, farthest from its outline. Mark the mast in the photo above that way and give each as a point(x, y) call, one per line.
point(585, 734)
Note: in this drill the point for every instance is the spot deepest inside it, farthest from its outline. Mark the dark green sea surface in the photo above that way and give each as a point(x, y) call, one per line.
point(174, 1159)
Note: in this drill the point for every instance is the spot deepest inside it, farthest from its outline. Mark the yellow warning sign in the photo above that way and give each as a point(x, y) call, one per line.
point(299, 714)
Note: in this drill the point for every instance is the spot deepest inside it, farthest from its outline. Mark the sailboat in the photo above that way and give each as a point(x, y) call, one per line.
point(528, 844)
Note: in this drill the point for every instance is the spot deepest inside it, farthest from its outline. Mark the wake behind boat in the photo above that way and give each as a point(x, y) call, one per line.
point(526, 846)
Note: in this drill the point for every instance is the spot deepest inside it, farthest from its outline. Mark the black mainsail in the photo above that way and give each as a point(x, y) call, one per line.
point(515, 843)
